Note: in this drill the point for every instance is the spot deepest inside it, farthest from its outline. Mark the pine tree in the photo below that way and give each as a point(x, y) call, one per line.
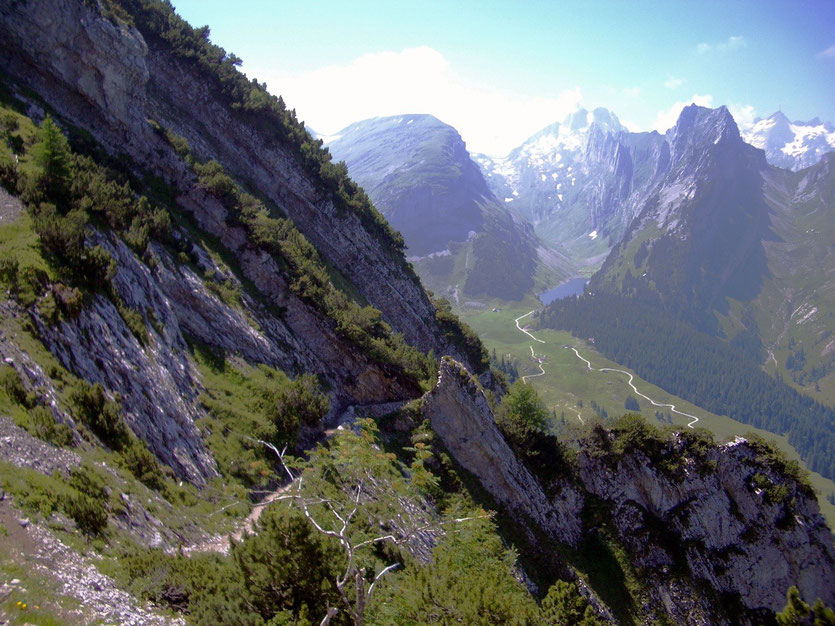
point(52, 155)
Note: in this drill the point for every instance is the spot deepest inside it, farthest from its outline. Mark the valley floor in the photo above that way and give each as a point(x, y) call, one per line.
point(570, 387)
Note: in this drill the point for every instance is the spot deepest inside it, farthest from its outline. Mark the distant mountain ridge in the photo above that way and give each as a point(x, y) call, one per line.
point(574, 180)
point(460, 238)
point(418, 170)
point(738, 247)
point(582, 181)
point(791, 145)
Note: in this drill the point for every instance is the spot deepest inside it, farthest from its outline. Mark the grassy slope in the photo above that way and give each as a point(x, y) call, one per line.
point(567, 380)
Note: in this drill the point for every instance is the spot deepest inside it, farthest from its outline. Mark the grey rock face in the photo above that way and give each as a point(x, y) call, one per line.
point(160, 386)
point(106, 80)
point(461, 416)
point(718, 526)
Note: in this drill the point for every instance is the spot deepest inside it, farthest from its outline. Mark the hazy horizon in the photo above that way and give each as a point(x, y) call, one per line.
point(500, 72)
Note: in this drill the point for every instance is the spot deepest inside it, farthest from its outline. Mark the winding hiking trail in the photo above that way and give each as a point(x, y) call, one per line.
point(533, 354)
point(672, 407)
point(221, 542)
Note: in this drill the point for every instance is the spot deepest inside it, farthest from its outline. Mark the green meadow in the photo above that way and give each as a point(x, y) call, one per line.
point(568, 388)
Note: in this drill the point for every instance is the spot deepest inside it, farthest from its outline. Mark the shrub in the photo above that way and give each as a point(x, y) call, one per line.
point(89, 515)
point(70, 299)
point(42, 424)
point(287, 565)
point(299, 403)
point(141, 462)
point(523, 419)
point(52, 154)
point(12, 384)
point(9, 175)
point(100, 415)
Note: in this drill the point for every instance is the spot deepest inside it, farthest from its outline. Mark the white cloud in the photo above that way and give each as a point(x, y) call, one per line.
point(667, 118)
point(417, 80)
point(735, 42)
point(673, 83)
point(829, 53)
point(631, 92)
point(744, 115)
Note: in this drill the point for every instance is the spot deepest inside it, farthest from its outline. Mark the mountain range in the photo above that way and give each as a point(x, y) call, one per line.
point(462, 241)
point(227, 397)
point(791, 145)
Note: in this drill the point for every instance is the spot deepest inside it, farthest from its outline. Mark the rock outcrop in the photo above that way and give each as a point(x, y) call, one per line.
point(460, 414)
point(711, 544)
point(710, 538)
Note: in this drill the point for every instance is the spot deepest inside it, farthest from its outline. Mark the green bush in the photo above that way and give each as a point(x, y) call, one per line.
point(301, 403)
point(89, 515)
point(216, 182)
point(42, 424)
point(12, 384)
point(9, 175)
point(461, 336)
point(141, 462)
point(287, 565)
point(523, 420)
point(770, 456)
point(565, 606)
point(52, 154)
point(100, 415)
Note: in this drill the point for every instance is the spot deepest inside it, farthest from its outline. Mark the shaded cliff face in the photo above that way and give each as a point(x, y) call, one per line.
point(417, 169)
point(698, 236)
point(727, 522)
point(460, 415)
point(109, 80)
point(717, 533)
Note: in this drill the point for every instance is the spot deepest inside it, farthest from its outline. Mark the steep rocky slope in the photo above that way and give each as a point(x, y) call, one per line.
point(190, 285)
point(106, 79)
point(111, 79)
point(716, 534)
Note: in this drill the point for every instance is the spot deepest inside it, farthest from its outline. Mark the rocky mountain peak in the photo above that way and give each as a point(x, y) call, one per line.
point(791, 145)
point(699, 127)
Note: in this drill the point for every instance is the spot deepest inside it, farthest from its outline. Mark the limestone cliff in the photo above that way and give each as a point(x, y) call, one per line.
point(715, 525)
point(716, 537)
point(461, 416)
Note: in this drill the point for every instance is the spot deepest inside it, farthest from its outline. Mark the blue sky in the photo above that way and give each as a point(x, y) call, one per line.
point(499, 71)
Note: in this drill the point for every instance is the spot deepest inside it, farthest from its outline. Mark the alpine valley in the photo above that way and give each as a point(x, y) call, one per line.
point(256, 376)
